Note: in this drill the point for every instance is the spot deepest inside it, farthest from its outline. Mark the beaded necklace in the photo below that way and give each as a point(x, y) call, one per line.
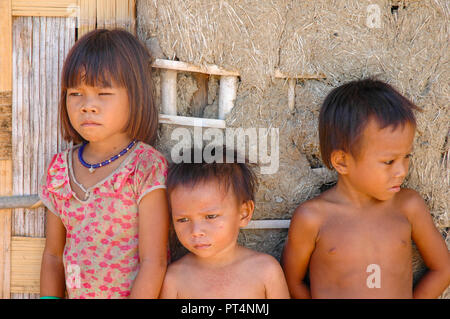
point(92, 167)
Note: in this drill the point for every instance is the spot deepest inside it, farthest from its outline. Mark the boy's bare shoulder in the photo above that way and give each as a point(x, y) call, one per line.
point(258, 262)
point(410, 203)
point(180, 266)
point(312, 212)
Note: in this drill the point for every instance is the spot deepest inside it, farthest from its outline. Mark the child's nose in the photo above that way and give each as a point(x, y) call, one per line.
point(401, 170)
point(89, 105)
point(89, 108)
point(197, 230)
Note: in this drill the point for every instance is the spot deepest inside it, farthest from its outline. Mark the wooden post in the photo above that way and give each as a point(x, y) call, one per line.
point(5, 46)
point(200, 97)
point(227, 94)
point(291, 94)
point(169, 92)
point(5, 163)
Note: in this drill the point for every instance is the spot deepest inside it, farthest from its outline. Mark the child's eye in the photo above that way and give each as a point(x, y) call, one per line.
point(74, 94)
point(389, 162)
point(105, 93)
point(182, 220)
point(211, 216)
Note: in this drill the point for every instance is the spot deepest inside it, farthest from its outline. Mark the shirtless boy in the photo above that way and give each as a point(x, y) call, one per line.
point(209, 203)
point(355, 238)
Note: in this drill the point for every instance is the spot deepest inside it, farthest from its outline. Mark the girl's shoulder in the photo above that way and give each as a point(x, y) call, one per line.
point(147, 156)
point(56, 177)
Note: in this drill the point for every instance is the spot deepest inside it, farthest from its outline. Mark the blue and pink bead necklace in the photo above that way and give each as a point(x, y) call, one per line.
point(92, 167)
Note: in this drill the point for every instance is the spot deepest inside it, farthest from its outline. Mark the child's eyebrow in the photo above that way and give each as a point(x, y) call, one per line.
point(209, 209)
point(393, 154)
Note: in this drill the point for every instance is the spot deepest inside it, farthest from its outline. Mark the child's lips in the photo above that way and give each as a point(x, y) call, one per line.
point(395, 189)
point(202, 246)
point(90, 124)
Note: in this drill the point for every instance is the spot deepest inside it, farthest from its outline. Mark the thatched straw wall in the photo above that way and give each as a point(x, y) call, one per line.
point(406, 45)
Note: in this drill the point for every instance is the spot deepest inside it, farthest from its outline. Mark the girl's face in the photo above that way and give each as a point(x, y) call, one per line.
point(98, 114)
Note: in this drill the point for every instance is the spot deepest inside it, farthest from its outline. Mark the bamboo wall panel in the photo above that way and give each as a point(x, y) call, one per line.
point(107, 14)
point(26, 258)
point(88, 16)
point(40, 45)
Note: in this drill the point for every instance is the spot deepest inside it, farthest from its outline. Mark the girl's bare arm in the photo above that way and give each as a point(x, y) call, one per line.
point(153, 238)
point(52, 268)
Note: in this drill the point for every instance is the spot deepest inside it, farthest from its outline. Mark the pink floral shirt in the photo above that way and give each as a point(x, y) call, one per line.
point(101, 253)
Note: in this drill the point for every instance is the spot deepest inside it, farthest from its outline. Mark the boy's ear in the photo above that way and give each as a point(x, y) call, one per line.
point(246, 212)
point(339, 160)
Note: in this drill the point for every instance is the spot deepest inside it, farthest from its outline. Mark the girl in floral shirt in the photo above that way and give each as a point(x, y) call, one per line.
point(107, 225)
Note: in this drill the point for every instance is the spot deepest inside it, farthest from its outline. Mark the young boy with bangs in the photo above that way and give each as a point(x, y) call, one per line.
point(210, 202)
point(355, 238)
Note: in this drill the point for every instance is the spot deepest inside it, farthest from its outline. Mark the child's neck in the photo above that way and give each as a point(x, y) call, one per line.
point(96, 151)
point(220, 260)
point(350, 195)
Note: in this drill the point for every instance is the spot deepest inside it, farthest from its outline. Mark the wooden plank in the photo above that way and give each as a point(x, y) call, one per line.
point(43, 3)
point(6, 162)
point(26, 257)
point(5, 46)
point(187, 67)
point(43, 8)
point(123, 17)
point(101, 10)
point(88, 17)
point(268, 224)
point(5, 230)
point(191, 121)
point(132, 15)
point(5, 125)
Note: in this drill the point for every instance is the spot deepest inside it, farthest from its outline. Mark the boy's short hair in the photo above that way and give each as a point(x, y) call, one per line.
point(229, 173)
point(347, 109)
point(102, 56)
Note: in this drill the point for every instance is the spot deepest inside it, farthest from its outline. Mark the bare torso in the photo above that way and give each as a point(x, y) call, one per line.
point(362, 254)
point(238, 280)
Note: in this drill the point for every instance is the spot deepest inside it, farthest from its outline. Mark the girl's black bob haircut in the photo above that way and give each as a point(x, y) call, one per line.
point(102, 57)
point(347, 109)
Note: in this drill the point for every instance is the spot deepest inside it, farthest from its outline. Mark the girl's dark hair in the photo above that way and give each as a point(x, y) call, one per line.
point(228, 172)
point(102, 56)
point(347, 109)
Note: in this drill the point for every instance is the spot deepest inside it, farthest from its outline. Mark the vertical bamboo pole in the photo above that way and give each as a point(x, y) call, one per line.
point(5, 164)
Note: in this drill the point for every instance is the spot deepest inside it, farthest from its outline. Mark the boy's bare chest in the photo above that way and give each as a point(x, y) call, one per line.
point(352, 252)
point(227, 284)
point(368, 237)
